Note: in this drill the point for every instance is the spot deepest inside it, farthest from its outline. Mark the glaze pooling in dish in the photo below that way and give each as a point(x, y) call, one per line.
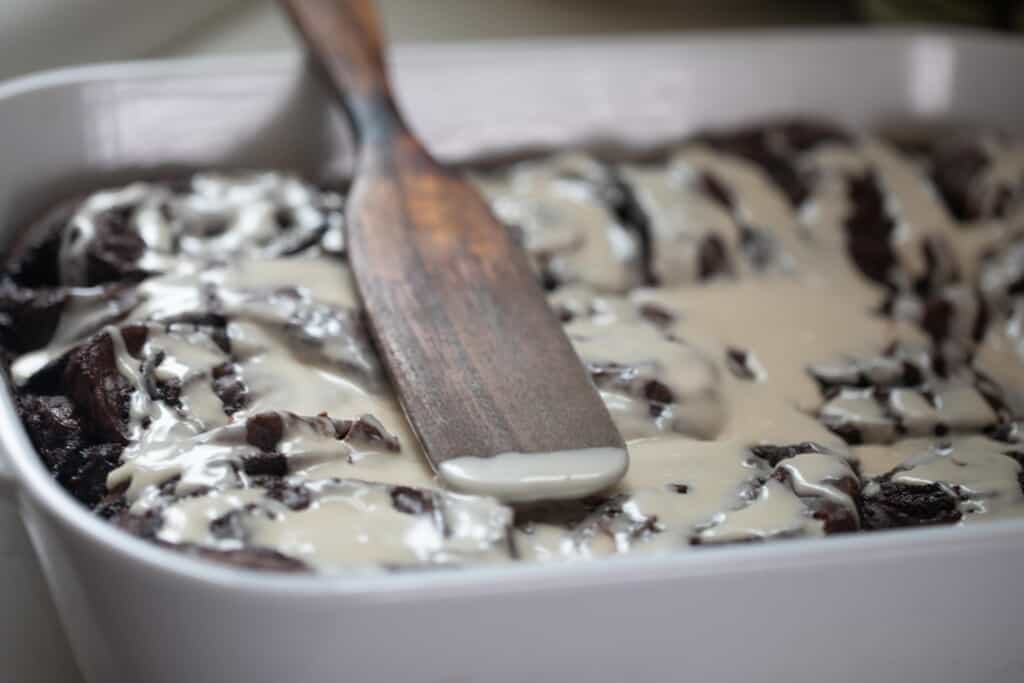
point(798, 330)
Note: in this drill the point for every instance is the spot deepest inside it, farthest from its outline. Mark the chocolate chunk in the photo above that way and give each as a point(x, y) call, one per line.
point(34, 257)
point(268, 464)
point(229, 388)
point(981, 321)
point(1007, 432)
point(714, 188)
point(115, 248)
point(679, 488)
point(887, 504)
point(228, 526)
point(836, 519)
point(941, 266)
point(180, 185)
point(741, 364)
point(898, 367)
point(1019, 457)
point(291, 494)
point(773, 148)
point(994, 395)
point(912, 374)
point(869, 229)
point(712, 258)
point(562, 513)
point(548, 280)
point(936, 319)
point(86, 477)
point(773, 455)
point(166, 390)
point(284, 218)
point(412, 501)
point(634, 219)
point(657, 392)
point(564, 314)
point(367, 430)
point(656, 314)
point(847, 433)
point(97, 388)
point(56, 431)
point(300, 240)
point(957, 167)
point(52, 425)
point(264, 431)
point(697, 539)
point(28, 318)
point(955, 318)
point(758, 247)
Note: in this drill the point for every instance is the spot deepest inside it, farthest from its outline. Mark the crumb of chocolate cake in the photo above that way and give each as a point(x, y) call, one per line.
point(886, 504)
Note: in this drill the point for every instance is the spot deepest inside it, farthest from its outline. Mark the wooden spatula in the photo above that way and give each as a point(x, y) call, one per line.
point(491, 385)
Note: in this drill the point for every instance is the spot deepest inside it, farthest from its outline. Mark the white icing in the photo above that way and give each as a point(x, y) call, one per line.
point(693, 478)
point(522, 477)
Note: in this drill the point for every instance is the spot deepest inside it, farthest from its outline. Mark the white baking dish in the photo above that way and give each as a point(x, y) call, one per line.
point(928, 605)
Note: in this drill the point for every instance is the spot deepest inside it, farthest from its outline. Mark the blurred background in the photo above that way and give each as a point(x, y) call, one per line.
point(39, 34)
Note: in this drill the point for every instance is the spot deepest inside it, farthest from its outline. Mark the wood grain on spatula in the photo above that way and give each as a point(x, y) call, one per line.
point(488, 379)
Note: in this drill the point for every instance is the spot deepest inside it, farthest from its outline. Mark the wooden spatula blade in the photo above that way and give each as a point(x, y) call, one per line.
point(487, 378)
point(490, 383)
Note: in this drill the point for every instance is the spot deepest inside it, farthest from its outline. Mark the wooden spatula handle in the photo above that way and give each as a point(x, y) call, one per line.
point(348, 44)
